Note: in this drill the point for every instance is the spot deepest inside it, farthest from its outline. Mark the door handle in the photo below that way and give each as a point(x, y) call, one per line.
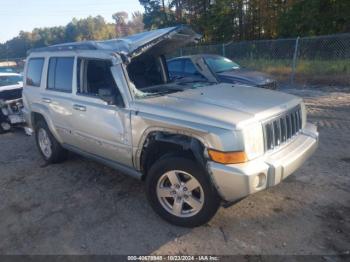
point(79, 107)
point(46, 100)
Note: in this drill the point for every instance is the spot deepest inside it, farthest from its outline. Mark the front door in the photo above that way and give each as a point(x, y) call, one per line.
point(101, 124)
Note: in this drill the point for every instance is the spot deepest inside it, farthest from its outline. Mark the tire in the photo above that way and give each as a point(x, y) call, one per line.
point(198, 204)
point(5, 126)
point(4, 130)
point(55, 153)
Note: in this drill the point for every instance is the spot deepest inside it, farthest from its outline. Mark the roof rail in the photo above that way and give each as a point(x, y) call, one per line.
point(89, 45)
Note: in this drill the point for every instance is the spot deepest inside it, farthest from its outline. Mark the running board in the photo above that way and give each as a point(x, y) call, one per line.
point(112, 164)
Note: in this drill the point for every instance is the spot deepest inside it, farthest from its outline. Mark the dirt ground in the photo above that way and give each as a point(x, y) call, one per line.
point(82, 207)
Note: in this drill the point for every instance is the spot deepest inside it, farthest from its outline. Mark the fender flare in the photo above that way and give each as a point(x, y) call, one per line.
point(187, 141)
point(43, 111)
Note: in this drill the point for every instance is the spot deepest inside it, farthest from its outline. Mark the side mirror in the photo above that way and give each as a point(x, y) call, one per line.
point(106, 95)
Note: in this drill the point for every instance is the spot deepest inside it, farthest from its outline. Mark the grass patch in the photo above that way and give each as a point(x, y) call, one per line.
point(330, 72)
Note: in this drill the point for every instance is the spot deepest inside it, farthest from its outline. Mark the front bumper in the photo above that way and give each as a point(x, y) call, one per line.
point(237, 181)
point(12, 111)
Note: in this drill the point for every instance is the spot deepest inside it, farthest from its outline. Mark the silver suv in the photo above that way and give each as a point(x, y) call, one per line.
point(197, 144)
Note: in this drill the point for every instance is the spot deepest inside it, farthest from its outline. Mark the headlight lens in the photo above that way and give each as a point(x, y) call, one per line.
point(253, 140)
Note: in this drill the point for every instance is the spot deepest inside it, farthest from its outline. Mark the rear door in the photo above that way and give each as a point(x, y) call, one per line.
point(101, 128)
point(48, 90)
point(58, 94)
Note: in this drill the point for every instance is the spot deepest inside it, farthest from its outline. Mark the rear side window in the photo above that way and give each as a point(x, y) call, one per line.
point(34, 71)
point(175, 66)
point(60, 74)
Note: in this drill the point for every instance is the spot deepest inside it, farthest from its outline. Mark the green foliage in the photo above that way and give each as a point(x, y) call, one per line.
point(157, 14)
point(225, 20)
point(314, 70)
point(90, 28)
point(315, 17)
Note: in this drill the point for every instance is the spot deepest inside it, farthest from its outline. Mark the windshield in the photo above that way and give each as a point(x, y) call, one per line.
point(10, 80)
point(148, 78)
point(221, 64)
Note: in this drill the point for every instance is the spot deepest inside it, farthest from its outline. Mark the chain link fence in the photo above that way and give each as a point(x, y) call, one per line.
point(322, 60)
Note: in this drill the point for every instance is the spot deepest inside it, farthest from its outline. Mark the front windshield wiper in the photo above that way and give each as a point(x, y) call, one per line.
point(162, 92)
point(191, 81)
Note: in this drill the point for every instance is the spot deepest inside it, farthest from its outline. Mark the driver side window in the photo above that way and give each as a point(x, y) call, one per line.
point(95, 78)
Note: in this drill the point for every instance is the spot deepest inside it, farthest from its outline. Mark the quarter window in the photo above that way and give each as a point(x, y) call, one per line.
point(34, 71)
point(60, 74)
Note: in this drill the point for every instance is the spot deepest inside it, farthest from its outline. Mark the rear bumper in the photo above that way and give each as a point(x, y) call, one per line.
point(237, 181)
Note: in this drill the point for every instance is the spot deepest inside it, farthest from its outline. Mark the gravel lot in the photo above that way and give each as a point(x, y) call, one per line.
point(82, 207)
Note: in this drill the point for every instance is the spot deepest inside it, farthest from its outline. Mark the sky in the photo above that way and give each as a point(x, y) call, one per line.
point(17, 15)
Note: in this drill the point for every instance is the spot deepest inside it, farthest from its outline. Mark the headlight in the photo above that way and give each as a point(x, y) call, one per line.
point(253, 140)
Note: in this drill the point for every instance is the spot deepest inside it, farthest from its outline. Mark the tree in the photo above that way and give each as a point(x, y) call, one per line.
point(315, 17)
point(157, 14)
point(91, 28)
point(124, 26)
point(136, 24)
point(121, 19)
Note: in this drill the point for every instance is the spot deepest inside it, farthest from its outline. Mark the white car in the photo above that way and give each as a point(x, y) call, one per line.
point(11, 85)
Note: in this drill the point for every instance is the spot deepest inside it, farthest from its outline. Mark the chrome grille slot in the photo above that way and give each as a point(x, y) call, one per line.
point(280, 129)
point(283, 129)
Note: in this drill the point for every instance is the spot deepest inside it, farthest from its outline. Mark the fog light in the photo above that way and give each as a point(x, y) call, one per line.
point(260, 180)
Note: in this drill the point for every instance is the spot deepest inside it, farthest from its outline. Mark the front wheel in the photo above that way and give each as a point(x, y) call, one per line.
point(4, 127)
point(4, 123)
point(181, 192)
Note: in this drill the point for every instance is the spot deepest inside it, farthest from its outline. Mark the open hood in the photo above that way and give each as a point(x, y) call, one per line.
point(158, 41)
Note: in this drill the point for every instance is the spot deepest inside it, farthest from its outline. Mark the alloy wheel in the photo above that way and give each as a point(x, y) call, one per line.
point(180, 193)
point(44, 142)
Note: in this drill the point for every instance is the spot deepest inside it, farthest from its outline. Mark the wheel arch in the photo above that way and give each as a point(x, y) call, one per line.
point(158, 143)
point(40, 113)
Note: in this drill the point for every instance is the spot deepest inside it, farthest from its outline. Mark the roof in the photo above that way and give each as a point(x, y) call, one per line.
point(128, 45)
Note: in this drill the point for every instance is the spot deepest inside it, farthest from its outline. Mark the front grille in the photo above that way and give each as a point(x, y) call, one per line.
point(282, 128)
point(11, 94)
